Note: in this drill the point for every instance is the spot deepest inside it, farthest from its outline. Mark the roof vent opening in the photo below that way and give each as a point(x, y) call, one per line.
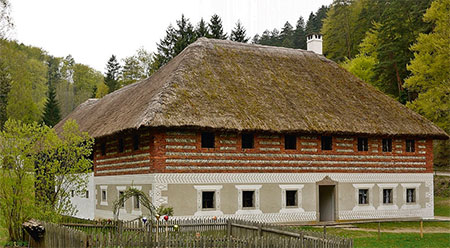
point(314, 43)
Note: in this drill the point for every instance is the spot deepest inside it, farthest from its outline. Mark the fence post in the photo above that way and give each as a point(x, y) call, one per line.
point(325, 231)
point(229, 233)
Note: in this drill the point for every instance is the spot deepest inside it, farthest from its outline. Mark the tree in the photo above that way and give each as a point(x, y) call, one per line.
point(175, 41)
point(5, 87)
point(430, 74)
point(52, 113)
point(216, 29)
point(37, 168)
point(202, 29)
point(300, 34)
point(112, 74)
point(287, 35)
point(238, 33)
point(137, 67)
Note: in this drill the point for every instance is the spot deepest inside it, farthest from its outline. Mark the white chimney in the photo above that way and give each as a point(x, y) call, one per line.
point(314, 43)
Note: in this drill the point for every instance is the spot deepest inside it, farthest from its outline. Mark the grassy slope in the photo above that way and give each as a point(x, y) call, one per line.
point(442, 206)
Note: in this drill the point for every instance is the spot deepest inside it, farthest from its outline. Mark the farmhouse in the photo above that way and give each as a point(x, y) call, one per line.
point(265, 133)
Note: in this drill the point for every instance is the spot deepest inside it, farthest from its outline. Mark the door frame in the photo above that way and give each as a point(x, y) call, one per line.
point(327, 181)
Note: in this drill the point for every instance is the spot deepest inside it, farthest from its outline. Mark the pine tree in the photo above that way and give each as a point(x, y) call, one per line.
point(112, 74)
point(202, 29)
point(287, 35)
point(52, 113)
point(5, 87)
point(238, 33)
point(216, 29)
point(300, 34)
point(175, 41)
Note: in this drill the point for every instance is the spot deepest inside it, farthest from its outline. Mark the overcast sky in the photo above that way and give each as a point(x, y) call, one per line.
point(92, 30)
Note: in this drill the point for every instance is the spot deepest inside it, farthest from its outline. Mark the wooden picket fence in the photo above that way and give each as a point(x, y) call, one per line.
point(185, 233)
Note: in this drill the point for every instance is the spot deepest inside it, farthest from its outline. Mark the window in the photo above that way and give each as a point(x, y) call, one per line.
point(207, 140)
point(363, 196)
point(410, 146)
point(387, 145)
point(120, 195)
point(248, 199)
point(136, 202)
point(410, 195)
point(136, 142)
point(208, 199)
point(87, 194)
point(363, 144)
point(327, 143)
point(247, 140)
point(290, 142)
point(103, 194)
point(103, 148)
point(291, 198)
point(121, 147)
point(387, 196)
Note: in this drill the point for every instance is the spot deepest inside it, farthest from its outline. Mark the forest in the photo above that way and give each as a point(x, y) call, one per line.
point(399, 46)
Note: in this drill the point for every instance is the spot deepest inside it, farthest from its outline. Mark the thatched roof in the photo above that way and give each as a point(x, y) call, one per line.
point(234, 86)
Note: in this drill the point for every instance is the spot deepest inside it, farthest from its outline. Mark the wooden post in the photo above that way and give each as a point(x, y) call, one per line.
point(229, 233)
point(421, 229)
point(324, 231)
point(157, 233)
point(379, 231)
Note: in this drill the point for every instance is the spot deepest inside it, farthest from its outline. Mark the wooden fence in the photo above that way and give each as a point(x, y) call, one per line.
point(185, 233)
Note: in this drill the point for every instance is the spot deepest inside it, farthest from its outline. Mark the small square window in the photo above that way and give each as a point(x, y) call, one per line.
point(363, 144)
point(247, 141)
point(291, 198)
point(208, 199)
point(410, 195)
point(103, 194)
point(410, 146)
point(103, 148)
point(363, 196)
point(290, 142)
point(387, 196)
point(87, 194)
point(136, 142)
point(248, 199)
point(327, 143)
point(207, 140)
point(120, 195)
point(387, 145)
point(136, 202)
point(120, 146)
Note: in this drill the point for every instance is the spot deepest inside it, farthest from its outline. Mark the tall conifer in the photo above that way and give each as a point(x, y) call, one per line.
point(52, 114)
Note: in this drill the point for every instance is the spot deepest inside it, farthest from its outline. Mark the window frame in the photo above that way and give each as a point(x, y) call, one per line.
point(413, 205)
point(291, 209)
point(292, 141)
point(363, 144)
point(213, 193)
point(388, 199)
point(410, 145)
point(104, 200)
point(364, 207)
point(244, 200)
point(248, 210)
point(388, 146)
point(206, 211)
point(367, 198)
point(248, 136)
point(136, 142)
point(393, 205)
point(414, 198)
point(324, 140)
point(208, 138)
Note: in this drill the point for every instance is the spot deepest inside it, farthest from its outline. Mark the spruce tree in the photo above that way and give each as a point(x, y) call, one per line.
point(216, 29)
point(52, 113)
point(202, 29)
point(112, 74)
point(238, 33)
point(300, 34)
point(287, 35)
point(5, 87)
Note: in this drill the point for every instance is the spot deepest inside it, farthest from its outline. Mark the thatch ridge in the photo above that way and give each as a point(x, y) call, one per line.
point(235, 86)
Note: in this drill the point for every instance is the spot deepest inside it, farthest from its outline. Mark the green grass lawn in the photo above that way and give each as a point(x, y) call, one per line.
point(442, 206)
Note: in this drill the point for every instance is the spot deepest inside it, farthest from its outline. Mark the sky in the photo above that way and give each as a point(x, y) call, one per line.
point(92, 30)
